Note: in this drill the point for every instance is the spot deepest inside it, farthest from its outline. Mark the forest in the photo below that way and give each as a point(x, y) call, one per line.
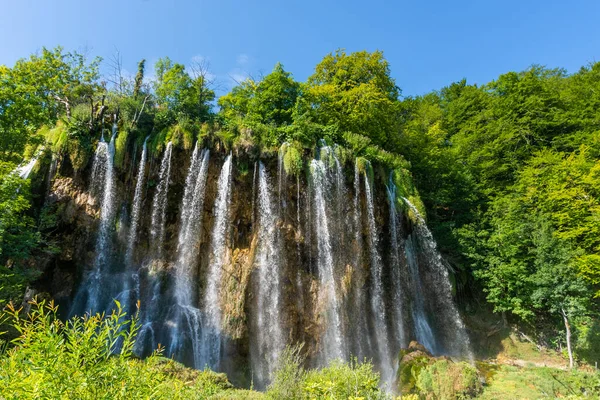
point(505, 174)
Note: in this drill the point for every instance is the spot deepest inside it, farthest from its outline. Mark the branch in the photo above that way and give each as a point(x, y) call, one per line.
point(137, 115)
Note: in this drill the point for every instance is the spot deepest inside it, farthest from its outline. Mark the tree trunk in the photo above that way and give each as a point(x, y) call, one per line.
point(568, 329)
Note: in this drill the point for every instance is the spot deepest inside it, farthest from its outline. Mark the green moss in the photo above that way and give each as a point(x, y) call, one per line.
point(56, 137)
point(409, 371)
point(405, 188)
point(181, 135)
point(292, 160)
point(121, 147)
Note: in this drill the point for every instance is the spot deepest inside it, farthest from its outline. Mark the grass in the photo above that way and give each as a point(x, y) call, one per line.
point(510, 382)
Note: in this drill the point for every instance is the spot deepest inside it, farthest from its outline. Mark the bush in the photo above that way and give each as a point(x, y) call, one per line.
point(92, 357)
point(289, 376)
point(446, 380)
point(339, 380)
point(343, 381)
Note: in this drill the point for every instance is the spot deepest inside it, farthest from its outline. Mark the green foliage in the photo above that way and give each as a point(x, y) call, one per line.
point(56, 137)
point(292, 159)
point(445, 380)
point(121, 148)
point(38, 90)
point(92, 357)
point(289, 376)
point(508, 382)
point(18, 236)
point(339, 380)
point(356, 93)
point(508, 174)
point(274, 98)
point(343, 381)
point(179, 94)
point(139, 79)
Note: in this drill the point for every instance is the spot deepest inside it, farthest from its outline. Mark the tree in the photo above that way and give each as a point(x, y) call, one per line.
point(274, 98)
point(139, 79)
point(355, 92)
point(37, 91)
point(179, 94)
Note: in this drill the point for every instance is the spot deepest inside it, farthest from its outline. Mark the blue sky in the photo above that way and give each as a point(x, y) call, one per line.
point(429, 44)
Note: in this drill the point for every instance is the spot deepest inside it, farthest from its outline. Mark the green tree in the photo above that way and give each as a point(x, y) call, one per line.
point(274, 98)
point(37, 91)
point(356, 93)
point(179, 94)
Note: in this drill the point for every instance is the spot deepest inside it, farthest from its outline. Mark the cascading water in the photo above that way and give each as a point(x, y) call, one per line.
point(362, 339)
point(211, 334)
point(24, 170)
point(458, 344)
point(359, 294)
point(396, 274)
point(151, 299)
point(333, 346)
point(187, 317)
point(190, 225)
point(159, 204)
point(269, 333)
point(423, 331)
point(93, 282)
point(377, 295)
point(137, 204)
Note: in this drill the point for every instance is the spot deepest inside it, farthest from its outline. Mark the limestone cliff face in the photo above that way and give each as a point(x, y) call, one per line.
point(305, 308)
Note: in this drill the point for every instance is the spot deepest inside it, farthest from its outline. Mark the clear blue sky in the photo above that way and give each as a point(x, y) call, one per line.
point(428, 43)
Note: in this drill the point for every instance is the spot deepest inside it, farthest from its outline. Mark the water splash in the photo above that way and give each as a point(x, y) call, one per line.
point(269, 335)
point(211, 335)
point(159, 204)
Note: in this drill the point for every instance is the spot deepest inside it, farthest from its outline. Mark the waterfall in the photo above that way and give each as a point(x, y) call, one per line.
point(458, 344)
point(24, 170)
point(362, 339)
point(159, 204)
point(423, 331)
point(211, 340)
point(270, 335)
point(377, 302)
point(396, 274)
point(51, 173)
point(102, 166)
point(190, 226)
point(137, 203)
point(333, 342)
point(187, 316)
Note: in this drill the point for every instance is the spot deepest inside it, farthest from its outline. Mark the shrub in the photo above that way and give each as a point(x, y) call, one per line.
point(446, 380)
point(289, 376)
point(353, 380)
point(339, 380)
point(91, 357)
